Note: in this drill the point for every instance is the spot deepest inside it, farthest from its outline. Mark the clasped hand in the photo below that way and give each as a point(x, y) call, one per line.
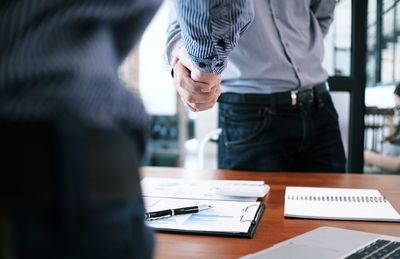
point(198, 90)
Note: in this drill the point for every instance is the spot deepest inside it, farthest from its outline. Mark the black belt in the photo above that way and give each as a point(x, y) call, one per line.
point(47, 165)
point(291, 98)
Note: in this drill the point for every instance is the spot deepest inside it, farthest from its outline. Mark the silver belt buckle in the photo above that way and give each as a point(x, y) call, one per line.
point(293, 95)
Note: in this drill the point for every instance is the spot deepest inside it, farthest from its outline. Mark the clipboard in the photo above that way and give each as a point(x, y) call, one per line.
point(230, 220)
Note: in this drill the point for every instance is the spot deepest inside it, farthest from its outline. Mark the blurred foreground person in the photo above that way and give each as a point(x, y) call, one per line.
point(72, 136)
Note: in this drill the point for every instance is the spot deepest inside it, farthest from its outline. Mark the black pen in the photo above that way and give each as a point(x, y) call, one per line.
point(172, 212)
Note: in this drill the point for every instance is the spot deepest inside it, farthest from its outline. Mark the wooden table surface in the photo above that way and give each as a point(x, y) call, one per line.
point(273, 227)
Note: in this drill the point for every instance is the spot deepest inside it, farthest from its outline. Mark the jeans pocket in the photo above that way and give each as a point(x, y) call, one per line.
point(243, 125)
point(329, 108)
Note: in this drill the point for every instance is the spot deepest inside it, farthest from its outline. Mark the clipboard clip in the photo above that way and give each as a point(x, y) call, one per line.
point(244, 217)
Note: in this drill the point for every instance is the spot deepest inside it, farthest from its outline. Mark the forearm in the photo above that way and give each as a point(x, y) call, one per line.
point(211, 30)
point(382, 161)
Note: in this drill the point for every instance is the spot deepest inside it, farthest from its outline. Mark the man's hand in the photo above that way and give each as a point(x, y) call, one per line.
point(198, 90)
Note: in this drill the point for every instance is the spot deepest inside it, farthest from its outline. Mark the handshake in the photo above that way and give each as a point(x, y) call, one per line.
point(198, 90)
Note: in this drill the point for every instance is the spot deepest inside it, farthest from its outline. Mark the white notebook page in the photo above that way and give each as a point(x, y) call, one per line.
point(338, 203)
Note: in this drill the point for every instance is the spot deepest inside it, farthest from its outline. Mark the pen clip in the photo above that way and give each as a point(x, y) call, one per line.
point(157, 218)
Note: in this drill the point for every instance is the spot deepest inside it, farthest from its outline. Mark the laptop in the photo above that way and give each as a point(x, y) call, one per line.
point(330, 242)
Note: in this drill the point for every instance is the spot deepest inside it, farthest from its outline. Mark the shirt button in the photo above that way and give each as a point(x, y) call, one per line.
point(201, 64)
point(287, 44)
point(219, 64)
point(221, 43)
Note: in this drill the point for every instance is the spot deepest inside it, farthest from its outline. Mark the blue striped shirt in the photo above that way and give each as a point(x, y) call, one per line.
point(211, 29)
point(281, 50)
point(59, 58)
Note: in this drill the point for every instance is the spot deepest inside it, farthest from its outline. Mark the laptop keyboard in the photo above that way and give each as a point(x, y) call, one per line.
point(378, 249)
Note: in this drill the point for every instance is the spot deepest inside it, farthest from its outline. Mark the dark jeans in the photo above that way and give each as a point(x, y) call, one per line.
point(281, 137)
point(71, 191)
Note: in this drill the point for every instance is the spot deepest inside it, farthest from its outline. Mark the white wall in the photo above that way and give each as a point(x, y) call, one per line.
point(341, 100)
point(155, 80)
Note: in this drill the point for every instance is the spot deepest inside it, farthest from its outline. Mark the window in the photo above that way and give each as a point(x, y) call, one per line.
point(383, 66)
point(337, 59)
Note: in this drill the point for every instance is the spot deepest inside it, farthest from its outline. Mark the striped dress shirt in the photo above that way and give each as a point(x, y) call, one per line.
point(281, 50)
point(59, 58)
point(211, 30)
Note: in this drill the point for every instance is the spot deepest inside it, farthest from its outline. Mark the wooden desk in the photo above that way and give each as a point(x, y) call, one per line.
point(273, 227)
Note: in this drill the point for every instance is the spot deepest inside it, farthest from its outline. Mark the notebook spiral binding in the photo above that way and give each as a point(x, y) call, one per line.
point(370, 199)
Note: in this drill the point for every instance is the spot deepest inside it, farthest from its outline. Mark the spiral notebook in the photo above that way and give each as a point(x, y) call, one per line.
point(338, 204)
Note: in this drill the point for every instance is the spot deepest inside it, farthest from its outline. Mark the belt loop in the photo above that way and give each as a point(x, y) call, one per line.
point(318, 94)
point(6, 237)
point(293, 96)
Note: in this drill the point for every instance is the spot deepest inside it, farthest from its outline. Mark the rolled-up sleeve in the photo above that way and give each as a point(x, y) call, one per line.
point(210, 30)
point(323, 11)
point(174, 41)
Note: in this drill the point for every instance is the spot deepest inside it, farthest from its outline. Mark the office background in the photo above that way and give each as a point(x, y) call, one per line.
point(362, 57)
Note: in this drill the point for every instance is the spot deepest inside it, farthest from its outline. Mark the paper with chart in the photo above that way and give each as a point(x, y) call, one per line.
point(225, 216)
point(203, 189)
point(230, 215)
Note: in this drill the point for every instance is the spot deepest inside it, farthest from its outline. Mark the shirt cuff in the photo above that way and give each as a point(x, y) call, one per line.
point(212, 65)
